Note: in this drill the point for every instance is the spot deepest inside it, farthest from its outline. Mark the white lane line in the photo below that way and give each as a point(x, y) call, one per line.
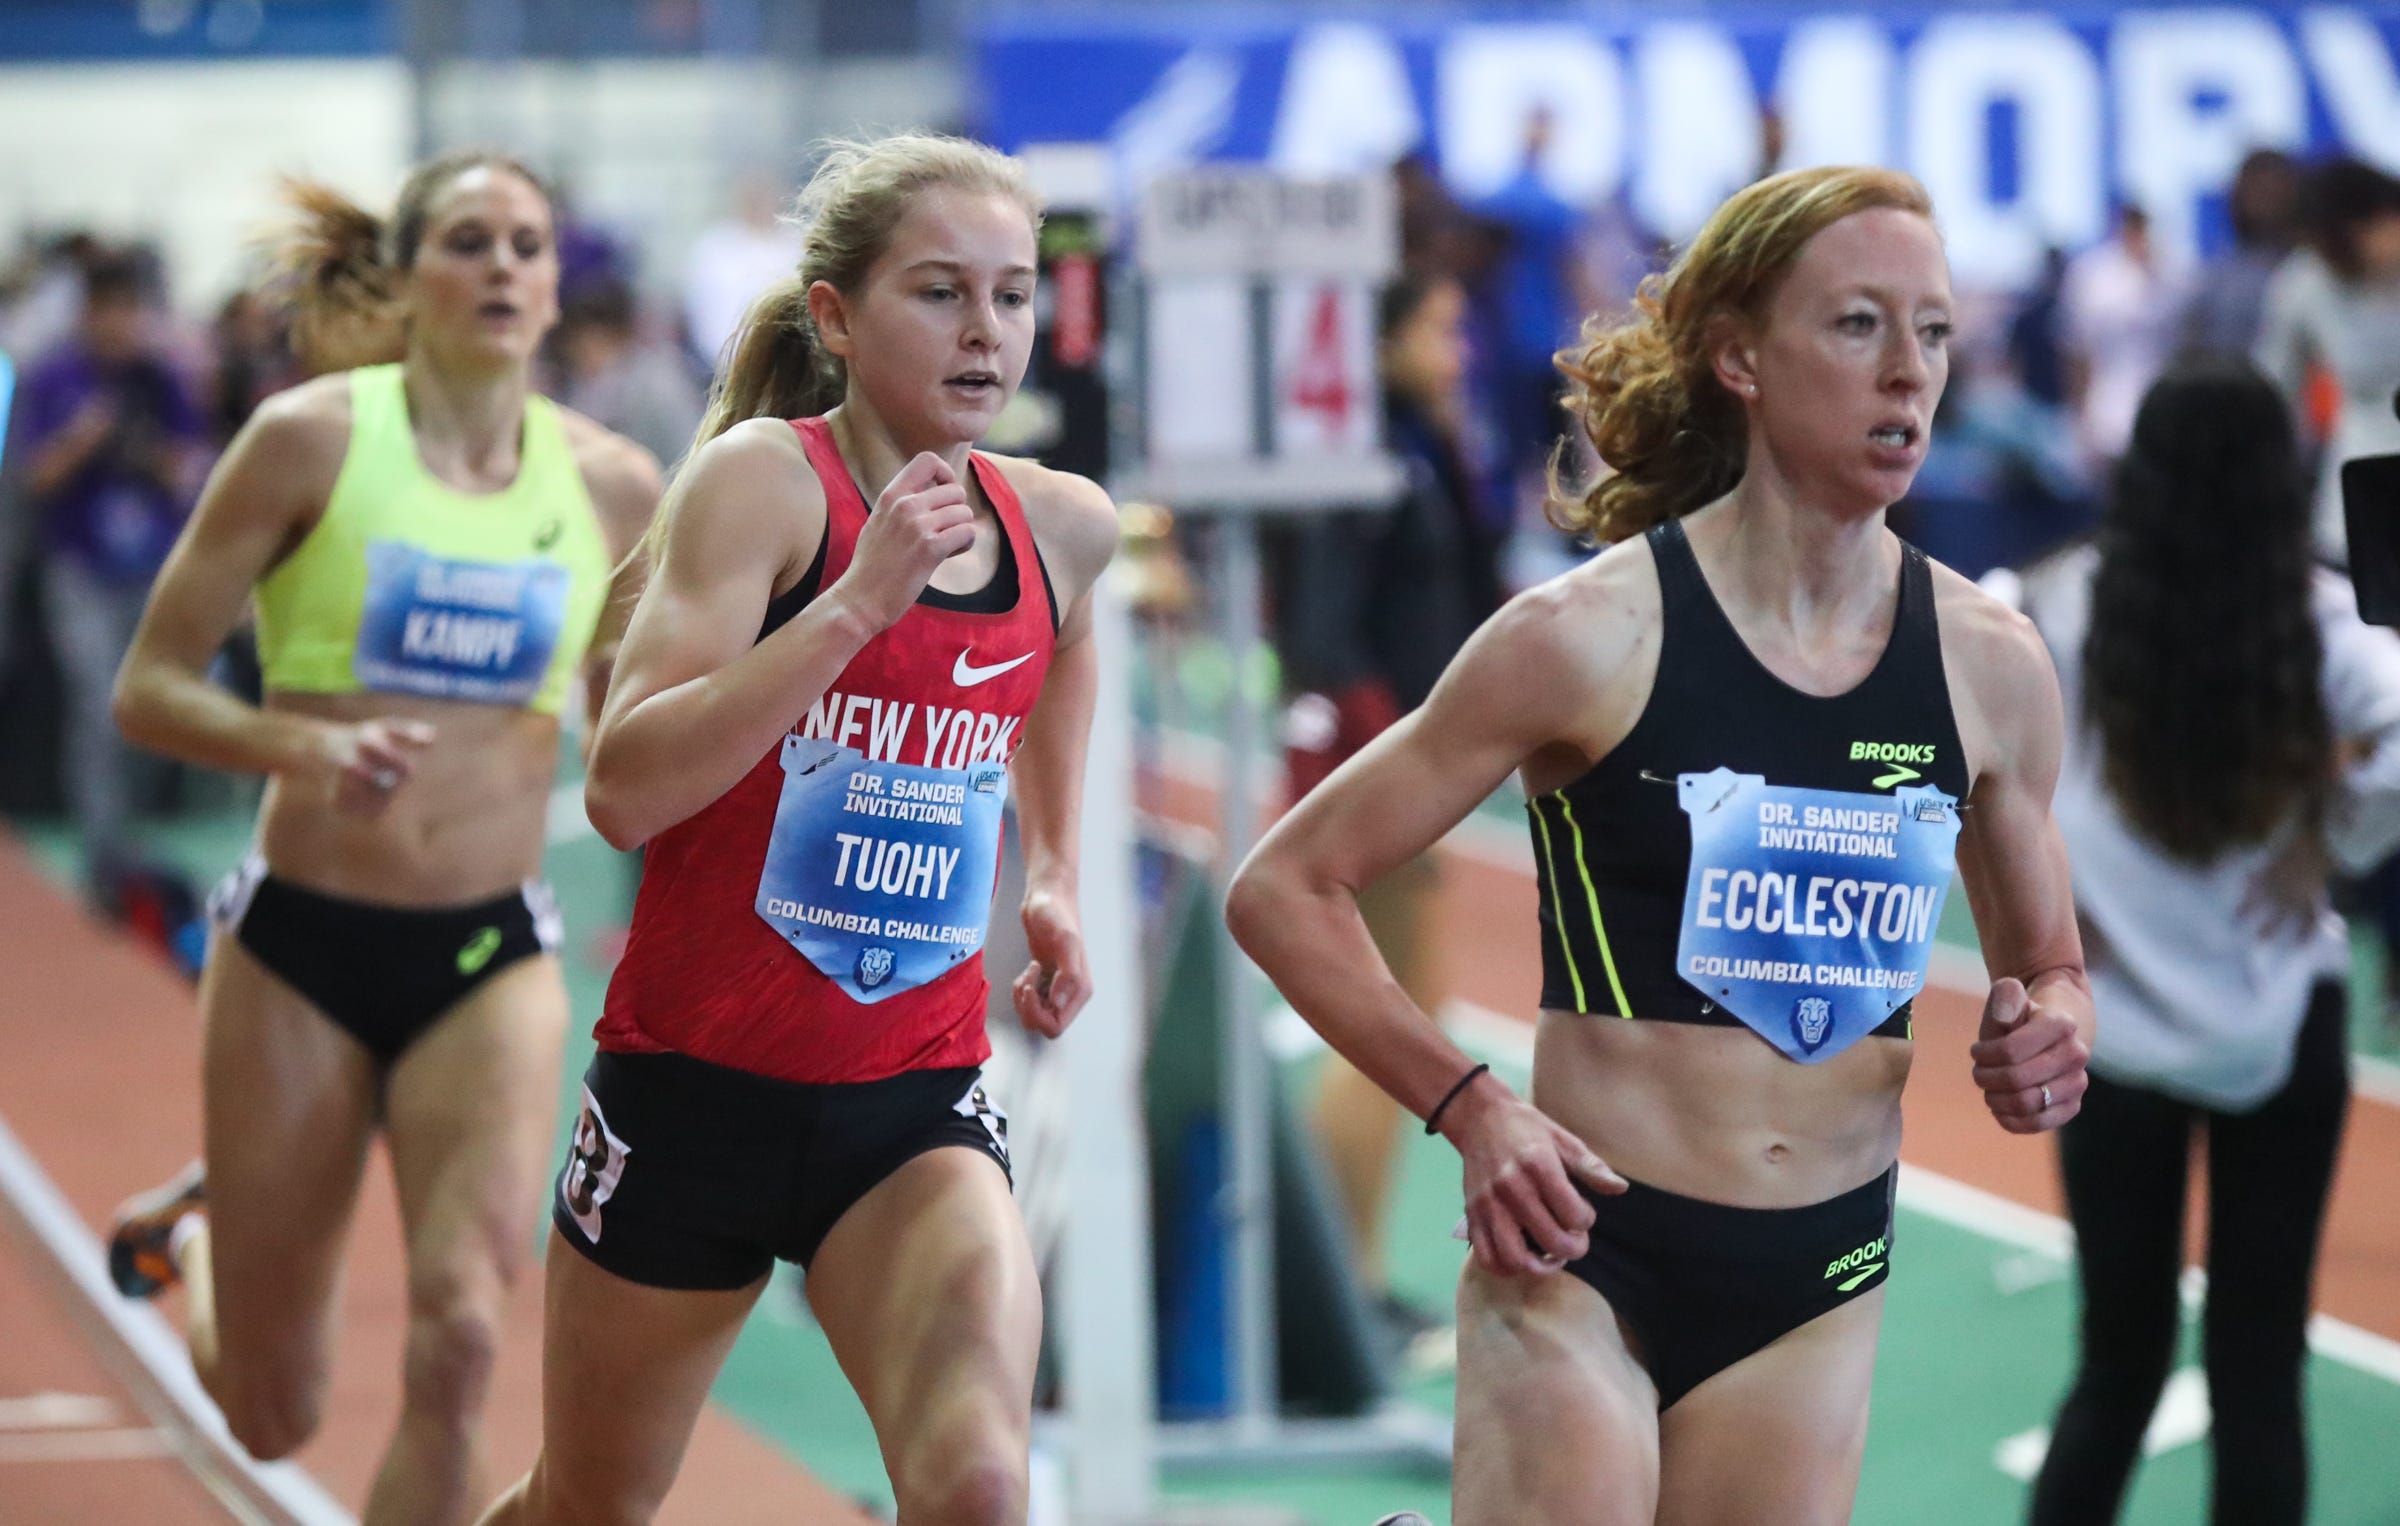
point(1506, 1041)
point(2181, 1420)
point(49, 1411)
point(126, 1445)
point(279, 1493)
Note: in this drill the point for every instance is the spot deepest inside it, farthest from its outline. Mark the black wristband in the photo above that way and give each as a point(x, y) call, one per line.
point(1433, 1119)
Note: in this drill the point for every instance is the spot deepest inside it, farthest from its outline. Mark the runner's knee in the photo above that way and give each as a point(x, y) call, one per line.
point(273, 1418)
point(979, 1485)
point(453, 1339)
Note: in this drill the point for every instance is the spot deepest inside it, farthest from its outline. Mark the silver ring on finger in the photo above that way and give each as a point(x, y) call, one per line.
point(2045, 1098)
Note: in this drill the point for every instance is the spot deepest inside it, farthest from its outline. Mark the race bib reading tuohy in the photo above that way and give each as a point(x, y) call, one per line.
point(1809, 914)
point(881, 874)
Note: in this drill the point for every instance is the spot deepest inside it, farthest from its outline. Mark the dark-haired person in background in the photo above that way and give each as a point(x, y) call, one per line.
point(2228, 301)
point(2233, 727)
point(615, 375)
point(2334, 306)
point(1371, 606)
point(113, 447)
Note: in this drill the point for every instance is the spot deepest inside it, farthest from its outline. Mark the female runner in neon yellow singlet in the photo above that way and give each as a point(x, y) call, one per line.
point(430, 547)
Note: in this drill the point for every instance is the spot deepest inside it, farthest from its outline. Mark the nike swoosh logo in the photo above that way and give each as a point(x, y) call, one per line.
point(1901, 773)
point(1861, 1277)
point(966, 675)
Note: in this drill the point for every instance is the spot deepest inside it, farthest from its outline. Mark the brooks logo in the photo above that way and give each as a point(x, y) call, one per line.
point(1863, 1263)
point(1897, 755)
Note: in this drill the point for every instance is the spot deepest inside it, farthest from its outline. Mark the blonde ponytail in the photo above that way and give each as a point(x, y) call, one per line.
point(776, 369)
point(343, 294)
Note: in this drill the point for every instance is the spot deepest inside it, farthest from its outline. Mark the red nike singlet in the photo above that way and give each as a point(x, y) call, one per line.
point(822, 921)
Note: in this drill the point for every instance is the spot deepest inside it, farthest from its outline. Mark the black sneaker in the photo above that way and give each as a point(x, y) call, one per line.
point(141, 1259)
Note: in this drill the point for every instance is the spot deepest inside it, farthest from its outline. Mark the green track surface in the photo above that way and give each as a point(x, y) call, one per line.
point(1964, 1364)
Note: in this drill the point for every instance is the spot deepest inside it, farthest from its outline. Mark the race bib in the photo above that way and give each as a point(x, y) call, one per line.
point(1809, 913)
point(476, 631)
point(881, 874)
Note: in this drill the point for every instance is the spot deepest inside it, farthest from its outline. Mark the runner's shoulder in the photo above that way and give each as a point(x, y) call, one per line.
point(1071, 516)
point(1991, 644)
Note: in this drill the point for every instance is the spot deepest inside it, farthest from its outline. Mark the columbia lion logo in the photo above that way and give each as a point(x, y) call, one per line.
point(874, 966)
point(1812, 1019)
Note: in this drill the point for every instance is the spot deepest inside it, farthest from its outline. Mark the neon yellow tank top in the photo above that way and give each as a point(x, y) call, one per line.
point(407, 585)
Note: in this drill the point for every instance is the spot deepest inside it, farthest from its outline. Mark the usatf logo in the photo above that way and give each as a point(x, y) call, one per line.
point(1899, 755)
point(1812, 1020)
point(1863, 1263)
point(874, 966)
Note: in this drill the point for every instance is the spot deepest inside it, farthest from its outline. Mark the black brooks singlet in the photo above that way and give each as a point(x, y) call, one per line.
point(1613, 850)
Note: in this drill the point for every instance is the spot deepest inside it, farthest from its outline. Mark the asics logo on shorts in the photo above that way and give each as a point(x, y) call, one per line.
point(1865, 1262)
point(479, 951)
point(595, 1164)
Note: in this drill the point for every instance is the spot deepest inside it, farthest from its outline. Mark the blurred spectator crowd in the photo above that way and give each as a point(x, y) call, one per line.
point(122, 399)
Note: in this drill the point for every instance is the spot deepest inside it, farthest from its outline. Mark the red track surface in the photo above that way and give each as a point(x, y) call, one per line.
point(101, 1085)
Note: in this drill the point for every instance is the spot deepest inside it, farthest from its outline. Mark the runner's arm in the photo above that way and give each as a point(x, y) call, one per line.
point(1294, 908)
point(262, 498)
point(695, 698)
point(624, 483)
point(698, 698)
point(1047, 771)
point(2038, 1023)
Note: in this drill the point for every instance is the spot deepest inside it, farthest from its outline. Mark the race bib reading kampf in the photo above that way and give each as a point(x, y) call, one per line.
point(1809, 913)
point(476, 631)
point(881, 874)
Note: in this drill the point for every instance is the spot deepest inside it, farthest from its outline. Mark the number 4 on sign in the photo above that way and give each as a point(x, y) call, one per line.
point(1321, 382)
point(1326, 389)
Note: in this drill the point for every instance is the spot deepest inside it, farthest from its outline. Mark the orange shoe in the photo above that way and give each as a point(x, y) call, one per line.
point(141, 1249)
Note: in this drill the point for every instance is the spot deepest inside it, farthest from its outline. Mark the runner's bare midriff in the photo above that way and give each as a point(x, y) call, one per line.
point(1717, 1114)
point(468, 824)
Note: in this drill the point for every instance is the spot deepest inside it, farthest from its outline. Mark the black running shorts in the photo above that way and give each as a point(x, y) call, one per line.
point(1703, 1285)
point(685, 1174)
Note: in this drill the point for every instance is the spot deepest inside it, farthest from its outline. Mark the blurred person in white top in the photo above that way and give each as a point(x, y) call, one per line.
point(2234, 733)
point(732, 261)
point(2124, 302)
point(2335, 305)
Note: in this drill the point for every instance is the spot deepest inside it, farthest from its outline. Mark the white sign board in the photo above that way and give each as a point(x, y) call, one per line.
point(1227, 220)
point(1258, 379)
